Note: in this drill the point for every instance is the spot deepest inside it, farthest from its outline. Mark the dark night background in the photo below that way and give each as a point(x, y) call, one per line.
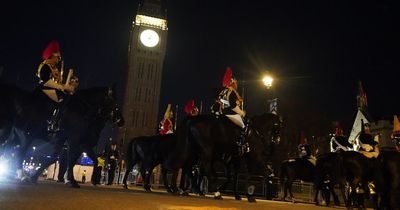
point(317, 50)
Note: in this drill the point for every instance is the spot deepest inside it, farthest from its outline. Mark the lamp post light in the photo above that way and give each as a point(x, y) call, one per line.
point(272, 103)
point(268, 80)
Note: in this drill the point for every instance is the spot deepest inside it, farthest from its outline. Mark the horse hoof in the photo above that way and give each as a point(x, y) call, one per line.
point(185, 193)
point(238, 197)
point(251, 199)
point(125, 186)
point(74, 185)
point(217, 196)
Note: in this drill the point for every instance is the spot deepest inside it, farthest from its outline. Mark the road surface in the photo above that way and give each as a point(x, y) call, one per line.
point(52, 195)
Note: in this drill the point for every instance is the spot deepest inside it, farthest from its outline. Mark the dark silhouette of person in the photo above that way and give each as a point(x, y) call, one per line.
point(112, 160)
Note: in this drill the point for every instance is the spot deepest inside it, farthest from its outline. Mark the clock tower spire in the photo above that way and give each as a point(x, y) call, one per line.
point(146, 52)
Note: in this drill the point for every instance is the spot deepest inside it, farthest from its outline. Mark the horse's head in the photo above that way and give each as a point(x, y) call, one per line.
point(111, 110)
point(267, 127)
point(103, 103)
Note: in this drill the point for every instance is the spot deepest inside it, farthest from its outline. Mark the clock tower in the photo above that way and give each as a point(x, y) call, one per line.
point(146, 52)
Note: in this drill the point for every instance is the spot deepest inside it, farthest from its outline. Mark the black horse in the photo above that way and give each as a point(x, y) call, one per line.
point(388, 179)
point(345, 167)
point(295, 169)
point(149, 151)
point(214, 139)
point(86, 144)
point(83, 109)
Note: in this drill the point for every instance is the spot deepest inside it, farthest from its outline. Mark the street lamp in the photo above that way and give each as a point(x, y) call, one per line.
point(267, 80)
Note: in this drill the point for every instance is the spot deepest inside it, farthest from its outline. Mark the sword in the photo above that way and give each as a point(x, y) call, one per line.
point(62, 72)
point(176, 116)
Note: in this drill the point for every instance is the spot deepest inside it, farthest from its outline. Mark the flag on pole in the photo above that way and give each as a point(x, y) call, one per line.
point(362, 102)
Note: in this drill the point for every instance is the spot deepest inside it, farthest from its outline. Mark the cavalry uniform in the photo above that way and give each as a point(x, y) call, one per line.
point(368, 143)
point(337, 141)
point(191, 109)
point(51, 80)
point(229, 103)
point(166, 125)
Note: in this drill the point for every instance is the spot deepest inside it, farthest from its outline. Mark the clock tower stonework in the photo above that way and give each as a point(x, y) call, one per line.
point(146, 52)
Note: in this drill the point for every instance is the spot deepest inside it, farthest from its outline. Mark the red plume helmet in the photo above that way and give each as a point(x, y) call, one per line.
point(227, 77)
point(302, 138)
point(53, 48)
point(338, 130)
point(189, 106)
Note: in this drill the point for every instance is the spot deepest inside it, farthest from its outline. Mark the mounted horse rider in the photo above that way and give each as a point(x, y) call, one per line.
point(304, 150)
point(339, 142)
point(166, 125)
point(51, 82)
point(368, 142)
point(229, 103)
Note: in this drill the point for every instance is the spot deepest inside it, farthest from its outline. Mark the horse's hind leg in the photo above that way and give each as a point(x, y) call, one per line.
point(217, 194)
point(335, 196)
point(73, 155)
point(290, 191)
point(90, 153)
point(129, 166)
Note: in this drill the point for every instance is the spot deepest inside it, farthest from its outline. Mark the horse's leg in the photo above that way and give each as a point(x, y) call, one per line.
point(92, 155)
point(335, 196)
point(235, 181)
point(343, 191)
point(73, 155)
point(24, 144)
point(47, 162)
point(290, 189)
point(147, 171)
point(222, 187)
point(63, 165)
point(130, 163)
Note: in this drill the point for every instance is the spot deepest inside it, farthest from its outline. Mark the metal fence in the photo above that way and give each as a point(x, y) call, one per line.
point(302, 191)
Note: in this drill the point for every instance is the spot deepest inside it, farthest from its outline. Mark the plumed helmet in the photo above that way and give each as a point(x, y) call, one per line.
point(338, 130)
point(189, 106)
point(228, 77)
point(53, 48)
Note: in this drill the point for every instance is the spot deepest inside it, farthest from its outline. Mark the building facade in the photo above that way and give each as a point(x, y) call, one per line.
point(146, 52)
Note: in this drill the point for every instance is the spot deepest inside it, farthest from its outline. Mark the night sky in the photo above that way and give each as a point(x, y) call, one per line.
point(317, 50)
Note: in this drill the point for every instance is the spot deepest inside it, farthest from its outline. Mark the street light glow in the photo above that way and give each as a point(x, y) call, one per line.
point(267, 80)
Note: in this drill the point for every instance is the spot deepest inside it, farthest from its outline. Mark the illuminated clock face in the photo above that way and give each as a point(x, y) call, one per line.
point(149, 38)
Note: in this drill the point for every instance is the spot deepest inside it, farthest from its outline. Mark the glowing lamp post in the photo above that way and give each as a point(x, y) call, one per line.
point(267, 80)
point(272, 104)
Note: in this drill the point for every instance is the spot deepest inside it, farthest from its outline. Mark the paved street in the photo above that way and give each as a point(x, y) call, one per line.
point(52, 195)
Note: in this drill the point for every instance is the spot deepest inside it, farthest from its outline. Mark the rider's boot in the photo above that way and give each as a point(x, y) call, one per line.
point(244, 146)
